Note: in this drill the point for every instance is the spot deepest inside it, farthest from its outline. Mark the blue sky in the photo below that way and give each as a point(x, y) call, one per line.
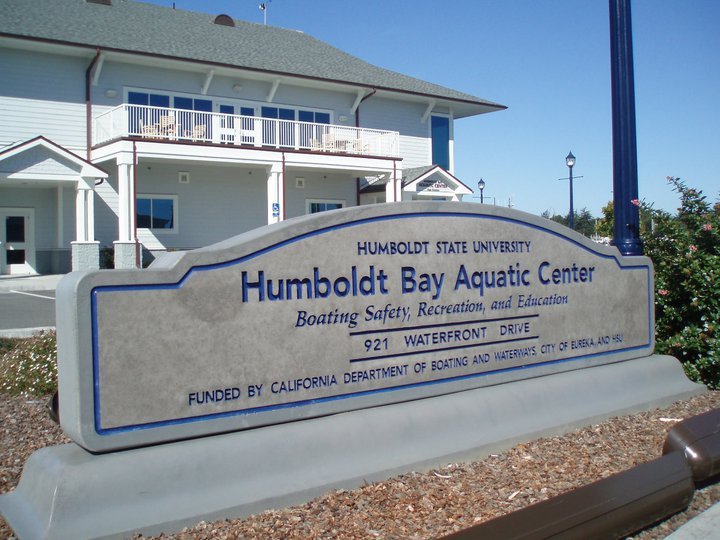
point(549, 62)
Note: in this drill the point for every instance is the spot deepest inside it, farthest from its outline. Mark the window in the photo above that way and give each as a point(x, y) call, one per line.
point(145, 117)
point(191, 104)
point(440, 133)
point(283, 131)
point(321, 205)
point(310, 135)
point(316, 117)
point(143, 98)
point(157, 212)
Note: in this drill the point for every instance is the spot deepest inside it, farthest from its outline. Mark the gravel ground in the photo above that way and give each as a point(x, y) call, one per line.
point(419, 505)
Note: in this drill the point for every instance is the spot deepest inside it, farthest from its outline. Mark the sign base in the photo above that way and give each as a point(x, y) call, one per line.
point(67, 492)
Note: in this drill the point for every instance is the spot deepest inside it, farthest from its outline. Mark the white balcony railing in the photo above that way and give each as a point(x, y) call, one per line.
point(164, 124)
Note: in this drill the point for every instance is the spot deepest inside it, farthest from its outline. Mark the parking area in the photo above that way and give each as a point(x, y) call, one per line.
point(27, 305)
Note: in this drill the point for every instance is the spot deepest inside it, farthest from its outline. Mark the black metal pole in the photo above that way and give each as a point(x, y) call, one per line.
point(571, 217)
point(482, 201)
point(626, 232)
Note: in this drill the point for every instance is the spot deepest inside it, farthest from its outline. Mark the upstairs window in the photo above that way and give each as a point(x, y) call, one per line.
point(440, 133)
point(315, 117)
point(144, 98)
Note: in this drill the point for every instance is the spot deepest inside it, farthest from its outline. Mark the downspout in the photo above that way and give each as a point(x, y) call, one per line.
point(88, 105)
point(357, 125)
point(133, 205)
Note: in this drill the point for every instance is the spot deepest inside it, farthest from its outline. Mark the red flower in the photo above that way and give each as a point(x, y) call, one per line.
point(635, 202)
point(663, 292)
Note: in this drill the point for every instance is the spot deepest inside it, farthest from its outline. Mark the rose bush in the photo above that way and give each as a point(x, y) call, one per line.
point(685, 250)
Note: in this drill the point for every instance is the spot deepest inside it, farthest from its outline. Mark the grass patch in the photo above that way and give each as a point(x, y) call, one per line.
point(8, 344)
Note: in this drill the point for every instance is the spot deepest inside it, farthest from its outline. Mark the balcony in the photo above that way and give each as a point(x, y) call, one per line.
point(173, 125)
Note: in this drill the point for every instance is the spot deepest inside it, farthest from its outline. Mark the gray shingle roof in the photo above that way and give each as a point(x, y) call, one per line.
point(150, 29)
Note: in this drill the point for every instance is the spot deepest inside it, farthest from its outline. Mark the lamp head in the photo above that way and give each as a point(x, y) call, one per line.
point(481, 184)
point(570, 160)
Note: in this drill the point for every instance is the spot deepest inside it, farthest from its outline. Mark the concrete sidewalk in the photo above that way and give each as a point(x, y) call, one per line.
point(704, 526)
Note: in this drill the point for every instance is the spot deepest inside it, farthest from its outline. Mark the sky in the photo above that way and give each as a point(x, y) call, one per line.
point(548, 61)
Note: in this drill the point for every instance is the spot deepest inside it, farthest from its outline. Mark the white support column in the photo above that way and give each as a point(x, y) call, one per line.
point(390, 189)
point(85, 250)
point(125, 245)
point(393, 189)
point(90, 212)
point(80, 215)
point(124, 202)
point(274, 192)
point(398, 185)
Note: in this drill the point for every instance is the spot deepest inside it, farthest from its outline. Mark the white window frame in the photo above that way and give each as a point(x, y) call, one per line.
point(176, 212)
point(309, 202)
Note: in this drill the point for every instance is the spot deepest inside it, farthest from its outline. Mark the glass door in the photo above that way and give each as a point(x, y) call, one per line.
point(17, 247)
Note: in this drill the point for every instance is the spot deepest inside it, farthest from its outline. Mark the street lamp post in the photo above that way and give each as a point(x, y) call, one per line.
point(570, 162)
point(481, 187)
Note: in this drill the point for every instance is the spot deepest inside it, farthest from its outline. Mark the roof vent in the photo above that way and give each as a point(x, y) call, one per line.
point(224, 20)
point(101, 2)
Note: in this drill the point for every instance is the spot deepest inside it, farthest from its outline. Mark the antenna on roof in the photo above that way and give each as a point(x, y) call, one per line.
point(264, 8)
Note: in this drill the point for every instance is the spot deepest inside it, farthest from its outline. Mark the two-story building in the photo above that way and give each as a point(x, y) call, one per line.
point(132, 129)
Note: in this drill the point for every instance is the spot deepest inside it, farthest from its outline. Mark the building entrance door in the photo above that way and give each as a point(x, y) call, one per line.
point(17, 241)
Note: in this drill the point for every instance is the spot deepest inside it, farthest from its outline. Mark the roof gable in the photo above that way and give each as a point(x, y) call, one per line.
point(433, 180)
point(40, 158)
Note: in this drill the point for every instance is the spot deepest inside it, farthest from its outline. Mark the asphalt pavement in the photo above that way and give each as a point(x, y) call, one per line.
point(27, 304)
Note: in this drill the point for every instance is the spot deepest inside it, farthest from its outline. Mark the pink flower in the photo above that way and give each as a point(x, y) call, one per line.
point(635, 202)
point(693, 248)
point(663, 292)
point(708, 227)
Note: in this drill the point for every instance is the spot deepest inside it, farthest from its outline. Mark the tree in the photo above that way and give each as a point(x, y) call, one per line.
point(584, 221)
point(607, 222)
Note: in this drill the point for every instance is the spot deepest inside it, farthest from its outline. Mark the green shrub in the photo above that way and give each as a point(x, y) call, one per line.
point(685, 250)
point(30, 367)
point(7, 344)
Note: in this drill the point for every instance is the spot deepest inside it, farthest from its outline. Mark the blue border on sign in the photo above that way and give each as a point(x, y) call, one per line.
point(317, 232)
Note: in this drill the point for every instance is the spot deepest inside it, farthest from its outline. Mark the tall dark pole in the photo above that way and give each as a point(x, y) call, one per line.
point(570, 161)
point(571, 218)
point(625, 179)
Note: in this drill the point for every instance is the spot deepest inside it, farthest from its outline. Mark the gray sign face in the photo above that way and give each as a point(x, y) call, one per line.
point(328, 313)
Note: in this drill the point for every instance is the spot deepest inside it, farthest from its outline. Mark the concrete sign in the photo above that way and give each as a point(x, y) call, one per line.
point(340, 311)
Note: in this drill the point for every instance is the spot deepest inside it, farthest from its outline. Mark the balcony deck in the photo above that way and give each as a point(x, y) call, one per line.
point(173, 125)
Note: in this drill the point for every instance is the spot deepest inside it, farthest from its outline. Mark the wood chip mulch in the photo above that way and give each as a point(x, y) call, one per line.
point(419, 505)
